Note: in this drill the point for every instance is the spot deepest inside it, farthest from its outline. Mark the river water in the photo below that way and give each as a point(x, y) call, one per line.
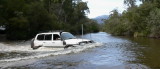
point(115, 53)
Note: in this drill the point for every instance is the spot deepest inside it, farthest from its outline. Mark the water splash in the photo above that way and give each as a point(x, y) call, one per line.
point(42, 52)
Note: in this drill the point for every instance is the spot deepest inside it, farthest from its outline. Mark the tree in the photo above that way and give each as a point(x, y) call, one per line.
point(18, 28)
point(25, 18)
point(142, 20)
point(40, 19)
point(130, 3)
point(114, 24)
point(153, 21)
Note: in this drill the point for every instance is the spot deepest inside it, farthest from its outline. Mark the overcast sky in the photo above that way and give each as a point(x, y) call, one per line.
point(103, 7)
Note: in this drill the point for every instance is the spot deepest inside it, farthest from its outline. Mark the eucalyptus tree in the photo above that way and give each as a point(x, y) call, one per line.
point(24, 18)
point(130, 3)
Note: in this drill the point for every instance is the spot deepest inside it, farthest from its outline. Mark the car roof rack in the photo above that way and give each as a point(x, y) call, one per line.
point(56, 31)
point(51, 31)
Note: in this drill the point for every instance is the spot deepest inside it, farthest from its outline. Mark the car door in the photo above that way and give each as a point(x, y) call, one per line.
point(39, 40)
point(48, 40)
point(57, 42)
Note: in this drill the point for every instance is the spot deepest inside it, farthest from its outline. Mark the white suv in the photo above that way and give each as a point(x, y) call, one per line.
point(57, 40)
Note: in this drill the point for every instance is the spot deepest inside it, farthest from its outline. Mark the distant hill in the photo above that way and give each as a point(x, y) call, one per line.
point(100, 19)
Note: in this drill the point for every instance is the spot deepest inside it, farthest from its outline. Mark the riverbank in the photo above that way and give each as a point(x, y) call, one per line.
point(136, 34)
point(135, 21)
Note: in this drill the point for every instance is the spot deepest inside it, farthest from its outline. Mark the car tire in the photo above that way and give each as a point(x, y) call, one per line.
point(67, 46)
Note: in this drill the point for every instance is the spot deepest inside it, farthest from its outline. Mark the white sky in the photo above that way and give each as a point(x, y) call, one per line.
point(103, 7)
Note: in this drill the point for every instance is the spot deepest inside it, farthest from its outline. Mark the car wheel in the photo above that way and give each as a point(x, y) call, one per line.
point(67, 46)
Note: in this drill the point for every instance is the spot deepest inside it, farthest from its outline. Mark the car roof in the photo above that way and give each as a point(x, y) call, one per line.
point(52, 33)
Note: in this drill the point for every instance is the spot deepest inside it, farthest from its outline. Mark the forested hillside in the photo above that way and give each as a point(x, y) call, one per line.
point(25, 18)
point(100, 19)
point(142, 20)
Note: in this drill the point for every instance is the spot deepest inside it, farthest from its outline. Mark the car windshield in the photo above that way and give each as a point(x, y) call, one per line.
point(66, 36)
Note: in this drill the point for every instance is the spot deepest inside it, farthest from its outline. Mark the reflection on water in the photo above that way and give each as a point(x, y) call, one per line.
point(116, 53)
point(150, 48)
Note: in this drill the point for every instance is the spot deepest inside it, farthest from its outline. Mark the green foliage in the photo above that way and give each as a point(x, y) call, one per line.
point(113, 24)
point(130, 3)
point(91, 26)
point(18, 27)
point(153, 21)
point(25, 18)
point(142, 20)
point(40, 19)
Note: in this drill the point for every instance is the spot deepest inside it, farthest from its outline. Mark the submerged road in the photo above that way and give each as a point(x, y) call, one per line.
point(116, 53)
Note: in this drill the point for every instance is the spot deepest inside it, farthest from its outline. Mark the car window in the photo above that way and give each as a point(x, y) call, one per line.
point(48, 37)
point(56, 37)
point(40, 37)
point(66, 36)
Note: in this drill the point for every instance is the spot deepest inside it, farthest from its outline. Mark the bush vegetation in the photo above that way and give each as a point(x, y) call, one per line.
point(25, 18)
point(142, 20)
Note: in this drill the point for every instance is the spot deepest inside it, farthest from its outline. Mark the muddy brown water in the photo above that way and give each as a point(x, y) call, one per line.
point(115, 53)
